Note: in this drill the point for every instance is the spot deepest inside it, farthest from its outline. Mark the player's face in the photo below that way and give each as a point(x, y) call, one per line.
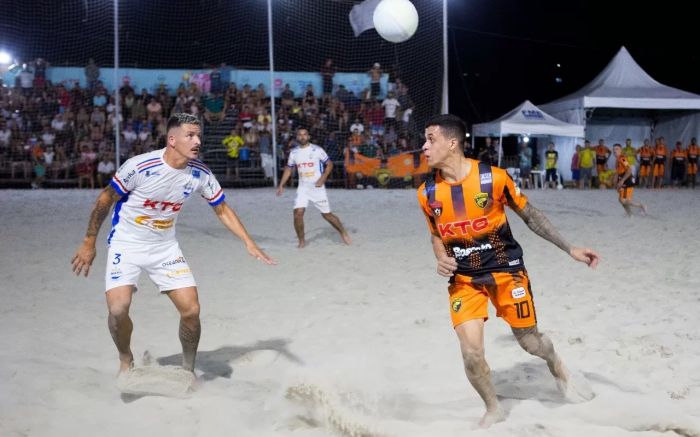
point(617, 151)
point(437, 146)
point(303, 137)
point(186, 140)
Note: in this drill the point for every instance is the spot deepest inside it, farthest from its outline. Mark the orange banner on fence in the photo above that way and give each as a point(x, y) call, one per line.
point(399, 166)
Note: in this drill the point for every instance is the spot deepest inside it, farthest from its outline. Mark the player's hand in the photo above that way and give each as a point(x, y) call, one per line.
point(82, 260)
point(280, 190)
point(588, 256)
point(256, 252)
point(320, 183)
point(446, 266)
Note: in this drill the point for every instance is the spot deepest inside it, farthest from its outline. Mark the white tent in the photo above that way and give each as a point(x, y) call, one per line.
point(526, 119)
point(622, 102)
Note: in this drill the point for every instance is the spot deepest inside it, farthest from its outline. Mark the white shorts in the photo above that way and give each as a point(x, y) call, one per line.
point(315, 195)
point(163, 262)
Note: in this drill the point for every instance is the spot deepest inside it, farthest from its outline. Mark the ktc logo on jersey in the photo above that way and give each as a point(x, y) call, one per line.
point(305, 165)
point(450, 229)
point(163, 206)
point(436, 208)
point(150, 222)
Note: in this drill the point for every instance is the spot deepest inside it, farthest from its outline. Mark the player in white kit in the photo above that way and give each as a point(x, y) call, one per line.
point(149, 191)
point(313, 167)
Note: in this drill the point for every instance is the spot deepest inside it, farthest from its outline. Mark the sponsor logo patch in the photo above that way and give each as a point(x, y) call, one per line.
point(515, 262)
point(518, 293)
point(436, 208)
point(456, 305)
point(486, 178)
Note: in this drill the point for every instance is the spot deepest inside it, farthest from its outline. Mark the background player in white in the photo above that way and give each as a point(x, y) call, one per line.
point(313, 166)
point(149, 191)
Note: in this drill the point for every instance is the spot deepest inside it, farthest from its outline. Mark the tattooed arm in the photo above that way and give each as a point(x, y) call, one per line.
point(86, 252)
point(540, 225)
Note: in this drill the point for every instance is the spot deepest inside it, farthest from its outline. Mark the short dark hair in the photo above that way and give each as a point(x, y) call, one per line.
point(180, 118)
point(450, 126)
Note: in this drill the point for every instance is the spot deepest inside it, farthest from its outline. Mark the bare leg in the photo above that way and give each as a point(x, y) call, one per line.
point(299, 226)
point(539, 345)
point(187, 303)
point(627, 208)
point(120, 325)
point(471, 342)
point(335, 222)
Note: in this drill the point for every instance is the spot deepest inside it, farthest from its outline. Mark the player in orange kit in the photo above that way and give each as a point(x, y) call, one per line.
point(693, 153)
point(463, 202)
point(625, 182)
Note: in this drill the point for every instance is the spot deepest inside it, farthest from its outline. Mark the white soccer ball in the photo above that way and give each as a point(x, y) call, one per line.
point(395, 20)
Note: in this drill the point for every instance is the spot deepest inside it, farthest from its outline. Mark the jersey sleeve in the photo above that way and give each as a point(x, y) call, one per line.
point(510, 194)
point(427, 212)
point(125, 179)
point(290, 161)
point(323, 156)
point(211, 190)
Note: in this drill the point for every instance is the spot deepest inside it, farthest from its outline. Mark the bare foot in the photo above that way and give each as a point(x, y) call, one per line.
point(575, 388)
point(126, 363)
point(301, 244)
point(492, 416)
point(346, 238)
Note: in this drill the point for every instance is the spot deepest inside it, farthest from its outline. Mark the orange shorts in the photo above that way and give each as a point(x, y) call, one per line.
point(626, 193)
point(509, 292)
point(644, 171)
point(692, 168)
point(659, 170)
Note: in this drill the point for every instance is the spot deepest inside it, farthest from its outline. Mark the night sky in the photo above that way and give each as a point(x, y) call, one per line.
point(501, 51)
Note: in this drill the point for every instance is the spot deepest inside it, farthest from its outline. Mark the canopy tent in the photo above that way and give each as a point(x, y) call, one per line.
point(622, 102)
point(526, 119)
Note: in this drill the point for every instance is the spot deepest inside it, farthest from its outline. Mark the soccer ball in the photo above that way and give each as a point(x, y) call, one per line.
point(395, 20)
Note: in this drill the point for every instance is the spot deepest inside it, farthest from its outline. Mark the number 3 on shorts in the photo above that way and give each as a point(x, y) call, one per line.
point(117, 258)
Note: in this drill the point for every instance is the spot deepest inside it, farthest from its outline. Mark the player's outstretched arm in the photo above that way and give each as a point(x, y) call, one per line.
point(285, 177)
point(540, 225)
point(82, 260)
point(229, 218)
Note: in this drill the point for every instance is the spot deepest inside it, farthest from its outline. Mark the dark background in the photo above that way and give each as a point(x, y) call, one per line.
point(501, 52)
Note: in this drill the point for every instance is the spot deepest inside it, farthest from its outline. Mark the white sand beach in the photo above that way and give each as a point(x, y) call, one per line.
point(357, 340)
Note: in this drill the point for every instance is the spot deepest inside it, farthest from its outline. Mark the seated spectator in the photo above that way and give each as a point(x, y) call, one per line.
point(287, 96)
point(85, 167)
point(154, 109)
point(357, 126)
point(214, 108)
point(105, 170)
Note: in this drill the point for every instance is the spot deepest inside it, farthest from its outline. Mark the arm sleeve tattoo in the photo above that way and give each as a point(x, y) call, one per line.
point(540, 225)
point(102, 207)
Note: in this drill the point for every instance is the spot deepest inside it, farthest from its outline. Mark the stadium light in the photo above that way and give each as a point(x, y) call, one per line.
point(5, 58)
point(526, 139)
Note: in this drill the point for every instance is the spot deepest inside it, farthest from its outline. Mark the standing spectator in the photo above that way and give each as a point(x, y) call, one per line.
point(99, 100)
point(631, 154)
point(375, 76)
point(646, 153)
point(216, 86)
point(266, 161)
point(5, 141)
point(287, 96)
point(332, 148)
point(327, 73)
point(693, 153)
point(26, 81)
point(586, 157)
point(679, 158)
point(659, 170)
point(602, 153)
point(551, 157)
point(525, 164)
point(92, 74)
point(391, 106)
point(576, 165)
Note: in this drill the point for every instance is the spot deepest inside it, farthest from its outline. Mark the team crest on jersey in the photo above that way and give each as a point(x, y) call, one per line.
point(456, 305)
point(436, 208)
point(481, 199)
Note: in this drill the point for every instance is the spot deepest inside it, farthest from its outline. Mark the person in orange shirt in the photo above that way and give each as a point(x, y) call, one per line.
point(625, 182)
point(646, 154)
point(464, 203)
point(602, 154)
point(678, 163)
point(693, 153)
point(660, 153)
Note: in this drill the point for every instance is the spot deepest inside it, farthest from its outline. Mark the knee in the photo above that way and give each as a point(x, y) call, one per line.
point(191, 312)
point(532, 341)
point(474, 360)
point(119, 310)
point(298, 214)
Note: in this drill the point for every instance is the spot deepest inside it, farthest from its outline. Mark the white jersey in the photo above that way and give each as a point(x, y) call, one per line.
point(309, 162)
point(153, 194)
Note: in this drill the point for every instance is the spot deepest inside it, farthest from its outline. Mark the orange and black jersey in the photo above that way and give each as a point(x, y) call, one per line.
point(660, 153)
point(645, 155)
point(621, 167)
point(693, 152)
point(469, 217)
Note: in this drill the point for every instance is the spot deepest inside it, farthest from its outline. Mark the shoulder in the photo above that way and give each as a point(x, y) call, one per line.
point(197, 165)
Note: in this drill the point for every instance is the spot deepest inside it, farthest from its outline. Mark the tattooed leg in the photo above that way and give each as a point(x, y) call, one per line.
point(187, 303)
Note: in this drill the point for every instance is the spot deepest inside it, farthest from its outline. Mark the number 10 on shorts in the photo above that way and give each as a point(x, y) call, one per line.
point(523, 309)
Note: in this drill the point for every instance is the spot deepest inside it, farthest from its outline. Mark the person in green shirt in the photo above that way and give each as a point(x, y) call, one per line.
point(586, 159)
